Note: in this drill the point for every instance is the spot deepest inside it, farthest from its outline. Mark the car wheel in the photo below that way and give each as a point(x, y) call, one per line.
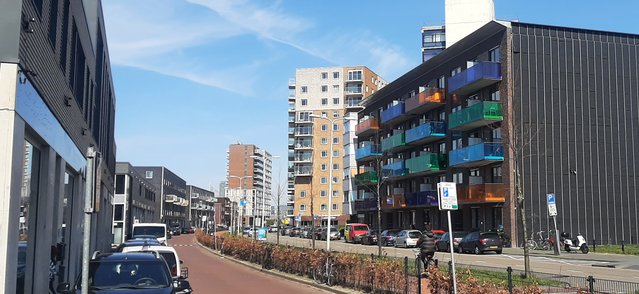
point(405, 245)
point(460, 249)
point(477, 251)
point(498, 251)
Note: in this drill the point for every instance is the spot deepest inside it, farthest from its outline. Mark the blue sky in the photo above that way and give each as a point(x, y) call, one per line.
point(193, 76)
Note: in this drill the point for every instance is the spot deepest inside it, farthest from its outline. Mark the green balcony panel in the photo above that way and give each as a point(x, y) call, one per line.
point(429, 162)
point(394, 141)
point(477, 115)
point(367, 177)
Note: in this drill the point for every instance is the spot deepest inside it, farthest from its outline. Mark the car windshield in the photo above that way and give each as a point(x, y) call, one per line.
point(414, 234)
point(490, 235)
point(392, 233)
point(127, 274)
point(459, 234)
point(155, 231)
point(360, 228)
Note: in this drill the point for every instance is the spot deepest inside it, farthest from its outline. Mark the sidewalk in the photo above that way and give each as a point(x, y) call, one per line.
point(591, 256)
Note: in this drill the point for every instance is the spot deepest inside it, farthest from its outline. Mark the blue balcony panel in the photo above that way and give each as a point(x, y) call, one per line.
point(394, 113)
point(423, 198)
point(480, 75)
point(396, 169)
point(367, 153)
point(426, 132)
point(477, 155)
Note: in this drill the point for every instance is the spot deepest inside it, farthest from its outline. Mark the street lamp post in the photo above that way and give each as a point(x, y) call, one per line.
point(239, 220)
point(330, 175)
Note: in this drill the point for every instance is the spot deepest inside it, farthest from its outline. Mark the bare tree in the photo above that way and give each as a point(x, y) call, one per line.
point(280, 191)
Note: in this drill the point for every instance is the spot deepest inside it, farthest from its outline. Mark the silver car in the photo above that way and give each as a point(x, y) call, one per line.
point(407, 238)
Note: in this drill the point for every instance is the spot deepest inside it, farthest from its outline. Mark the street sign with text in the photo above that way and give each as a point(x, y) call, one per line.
point(447, 193)
point(552, 206)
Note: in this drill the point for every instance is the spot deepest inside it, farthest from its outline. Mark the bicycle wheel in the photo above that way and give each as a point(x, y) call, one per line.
point(318, 276)
point(531, 244)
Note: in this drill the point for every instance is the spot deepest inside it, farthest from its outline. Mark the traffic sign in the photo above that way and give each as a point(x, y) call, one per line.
point(552, 206)
point(447, 193)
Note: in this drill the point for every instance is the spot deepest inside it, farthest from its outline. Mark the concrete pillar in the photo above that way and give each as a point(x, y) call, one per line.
point(11, 162)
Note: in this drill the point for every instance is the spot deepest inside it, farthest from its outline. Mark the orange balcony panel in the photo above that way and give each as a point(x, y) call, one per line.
point(428, 99)
point(482, 193)
point(394, 201)
point(367, 126)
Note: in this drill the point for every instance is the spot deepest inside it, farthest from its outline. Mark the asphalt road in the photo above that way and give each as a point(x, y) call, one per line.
point(209, 273)
point(578, 265)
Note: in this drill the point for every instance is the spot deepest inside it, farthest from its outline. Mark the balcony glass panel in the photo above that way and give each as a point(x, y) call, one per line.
point(394, 201)
point(423, 198)
point(394, 141)
point(427, 162)
point(432, 96)
point(433, 129)
point(367, 125)
point(476, 154)
point(303, 170)
point(480, 75)
point(488, 192)
point(393, 112)
point(482, 113)
point(366, 151)
point(396, 169)
point(365, 204)
point(367, 177)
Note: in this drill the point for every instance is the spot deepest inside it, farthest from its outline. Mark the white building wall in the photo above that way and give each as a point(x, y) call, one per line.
point(465, 16)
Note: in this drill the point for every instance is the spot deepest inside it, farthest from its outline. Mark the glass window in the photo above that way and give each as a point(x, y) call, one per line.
point(324, 153)
point(336, 74)
point(335, 140)
point(324, 140)
point(302, 194)
point(304, 102)
point(334, 206)
point(335, 153)
point(118, 212)
point(323, 193)
point(335, 101)
point(149, 174)
point(335, 88)
point(335, 193)
point(494, 96)
point(494, 54)
point(496, 134)
point(335, 127)
point(323, 207)
point(335, 166)
point(335, 113)
point(324, 75)
point(324, 88)
point(323, 166)
point(324, 127)
point(323, 180)
point(335, 180)
point(324, 101)
point(119, 184)
point(302, 207)
point(304, 89)
point(28, 196)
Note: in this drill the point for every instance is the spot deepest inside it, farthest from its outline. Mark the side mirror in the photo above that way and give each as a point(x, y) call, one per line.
point(184, 272)
point(64, 288)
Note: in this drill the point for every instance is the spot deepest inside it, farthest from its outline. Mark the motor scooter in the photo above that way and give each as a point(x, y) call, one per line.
point(578, 244)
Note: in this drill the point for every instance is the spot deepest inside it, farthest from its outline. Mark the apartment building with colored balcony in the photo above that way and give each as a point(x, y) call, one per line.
point(566, 99)
point(249, 177)
point(324, 101)
point(173, 201)
point(202, 206)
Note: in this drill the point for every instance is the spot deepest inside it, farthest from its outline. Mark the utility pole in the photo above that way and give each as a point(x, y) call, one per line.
point(89, 198)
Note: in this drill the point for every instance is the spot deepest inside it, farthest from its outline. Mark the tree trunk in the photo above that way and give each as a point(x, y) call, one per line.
point(379, 222)
point(522, 216)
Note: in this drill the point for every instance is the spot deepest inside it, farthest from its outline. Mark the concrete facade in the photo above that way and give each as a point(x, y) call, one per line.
point(173, 203)
point(202, 202)
point(465, 16)
point(56, 100)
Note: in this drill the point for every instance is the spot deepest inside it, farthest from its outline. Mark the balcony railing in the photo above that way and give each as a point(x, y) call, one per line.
point(422, 198)
point(477, 155)
point(428, 162)
point(365, 204)
point(478, 76)
point(303, 157)
point(304, 131)
point(394, 141)
point(367, 152)
point(352, 90)
point(303, 170)
point(426, 100)
point(368, 177)
point(303, 144)
point(477, 115)
point(393, 113)
point(396, 169)
point(481, 193)
point(366, 127)
point(426, 132)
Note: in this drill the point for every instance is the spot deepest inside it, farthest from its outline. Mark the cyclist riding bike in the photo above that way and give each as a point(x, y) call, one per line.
point(426, 244)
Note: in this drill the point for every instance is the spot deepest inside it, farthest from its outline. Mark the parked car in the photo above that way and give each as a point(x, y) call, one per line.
point(159, 230)
point(286, 231)
point(295, 232)
point(407, 238)
point(478, 243)
point(317, 233)
point(438, 233)
point(370, 238)
point(272, 229)
point(443, 243)
point(353, 232)
point(306, 232)
point(388, 236)
point(137, 243)
point(333, 233)
point(247, 231)
point(132, 272)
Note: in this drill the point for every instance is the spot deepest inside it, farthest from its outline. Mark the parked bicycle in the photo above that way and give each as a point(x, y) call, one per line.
point(540, 242)
point(325, 274)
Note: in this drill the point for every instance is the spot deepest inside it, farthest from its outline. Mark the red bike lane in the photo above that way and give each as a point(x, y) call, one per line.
point(210, 273)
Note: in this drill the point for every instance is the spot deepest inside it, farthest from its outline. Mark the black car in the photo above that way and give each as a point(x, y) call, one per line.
point(295, 232)
point(370, 238)
point(136, 272)
point(478, 243)
point(285, 231)
point(388, 236)
point(443, 243)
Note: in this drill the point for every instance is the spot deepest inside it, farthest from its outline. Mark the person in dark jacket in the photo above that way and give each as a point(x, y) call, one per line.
point(426, 245)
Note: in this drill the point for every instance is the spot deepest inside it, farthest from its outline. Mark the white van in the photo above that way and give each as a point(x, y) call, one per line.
point(158, 230)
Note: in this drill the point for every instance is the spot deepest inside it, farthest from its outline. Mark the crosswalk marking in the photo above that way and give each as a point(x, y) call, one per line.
point(181, 245)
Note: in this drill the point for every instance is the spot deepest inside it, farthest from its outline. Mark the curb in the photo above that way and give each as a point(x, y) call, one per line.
point(277, 273)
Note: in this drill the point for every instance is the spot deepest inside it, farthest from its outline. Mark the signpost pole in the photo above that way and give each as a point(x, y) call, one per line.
point(552, 211)
point(557, 249)
point(452, 252)
point(447, 193)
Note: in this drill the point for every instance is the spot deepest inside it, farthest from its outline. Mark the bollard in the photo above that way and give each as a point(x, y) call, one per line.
point(372, 276)
point(623, 249)
point(594, 245)
point(419, 275)
point(591, 284)
point(406, 275)
point(510, 279)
